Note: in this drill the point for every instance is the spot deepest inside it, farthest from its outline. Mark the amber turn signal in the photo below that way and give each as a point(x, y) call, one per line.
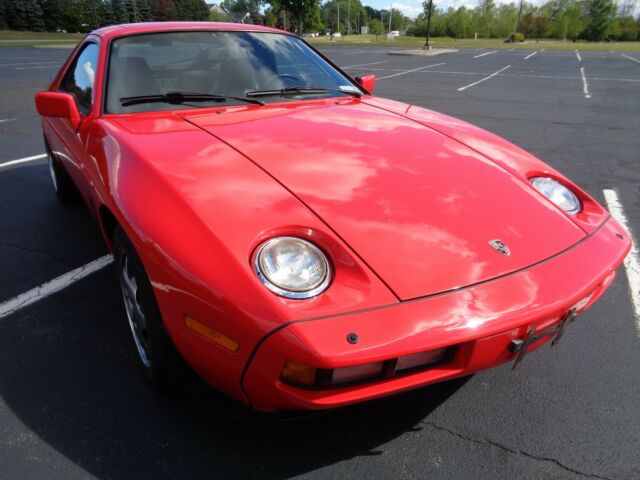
point(298, 373)
point(211, 334)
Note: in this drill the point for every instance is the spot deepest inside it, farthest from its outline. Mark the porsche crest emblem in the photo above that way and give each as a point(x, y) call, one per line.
point(500, 247)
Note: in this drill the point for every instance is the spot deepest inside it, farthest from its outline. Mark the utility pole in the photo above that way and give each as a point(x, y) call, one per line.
point(519, 12)
point(349, 17)
point(338, 16)
point(426, 43)
point(390, 16)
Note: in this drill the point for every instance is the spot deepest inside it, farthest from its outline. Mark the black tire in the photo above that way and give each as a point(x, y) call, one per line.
point(157, 356)
point(62, 184)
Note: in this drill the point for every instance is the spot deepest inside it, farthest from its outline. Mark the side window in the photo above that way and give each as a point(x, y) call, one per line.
point(80, 78)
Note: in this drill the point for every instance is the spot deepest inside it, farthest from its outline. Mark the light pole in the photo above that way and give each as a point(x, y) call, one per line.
point(390, 16)
point(519, 12)
point(426, 43)
point(349, 17)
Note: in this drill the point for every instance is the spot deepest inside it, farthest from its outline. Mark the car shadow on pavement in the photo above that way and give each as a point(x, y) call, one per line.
point(69, 375)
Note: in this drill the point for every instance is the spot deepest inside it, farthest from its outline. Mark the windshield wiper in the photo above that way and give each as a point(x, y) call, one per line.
point(177, 98)
point(302, 90)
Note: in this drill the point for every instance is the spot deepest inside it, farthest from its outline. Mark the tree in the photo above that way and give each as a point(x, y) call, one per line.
point(626, 29)
point(298, 9)
point(600, 19)
point(541, 26)
point(312, 21)
point(375, 26)
point(485, 13)
point(527, 25)
point(3, 16)
point(162, 10)
point(270, 19)
point(191, 10)
point(24, 15)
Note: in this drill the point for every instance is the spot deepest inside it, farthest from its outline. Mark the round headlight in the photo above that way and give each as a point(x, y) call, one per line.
point(557, 193)
point(292, 267)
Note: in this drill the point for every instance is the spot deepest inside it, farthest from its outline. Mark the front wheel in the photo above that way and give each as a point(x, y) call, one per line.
point(157, 356)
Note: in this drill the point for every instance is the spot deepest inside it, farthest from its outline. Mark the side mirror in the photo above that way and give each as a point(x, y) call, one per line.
point(368, 82)
point(61, 105)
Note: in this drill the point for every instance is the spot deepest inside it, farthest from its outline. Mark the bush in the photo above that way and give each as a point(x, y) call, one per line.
point(515, 37)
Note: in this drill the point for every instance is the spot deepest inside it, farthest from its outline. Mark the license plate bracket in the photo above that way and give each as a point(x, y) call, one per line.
point(520, 346)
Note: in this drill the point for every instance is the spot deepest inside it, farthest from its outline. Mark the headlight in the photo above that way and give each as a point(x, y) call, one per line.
point(557, 193)
point(292, 267)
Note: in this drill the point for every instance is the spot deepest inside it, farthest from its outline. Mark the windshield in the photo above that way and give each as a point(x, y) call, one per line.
point(229, 64)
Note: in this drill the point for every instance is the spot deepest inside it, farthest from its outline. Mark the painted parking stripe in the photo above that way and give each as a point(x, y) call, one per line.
point(483, 79)
point(63, 281)
point(55, 62)
point(364, 64)
point(22, 160)
point(514, 75)
point(411, 71)
point(631, 58)
point(356, 52)
point(36, 68)
point(483, 54)
point(530, 55)
point(632, 262)
point(578, 55)
point(585, 85)
point(5, 120)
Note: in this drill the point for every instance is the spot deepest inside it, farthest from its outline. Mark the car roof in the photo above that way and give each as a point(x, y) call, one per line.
point(115, 31)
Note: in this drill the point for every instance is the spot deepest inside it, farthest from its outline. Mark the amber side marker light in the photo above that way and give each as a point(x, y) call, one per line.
point(211, 334)
point(298, 373)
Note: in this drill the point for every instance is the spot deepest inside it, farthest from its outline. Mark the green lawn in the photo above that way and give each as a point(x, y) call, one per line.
point(14, 38)
point(443, 42)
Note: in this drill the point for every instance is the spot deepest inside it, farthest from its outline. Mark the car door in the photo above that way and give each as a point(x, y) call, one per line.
point(69, 143)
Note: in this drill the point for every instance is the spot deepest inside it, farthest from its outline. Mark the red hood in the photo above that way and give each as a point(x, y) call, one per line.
point(419, 207)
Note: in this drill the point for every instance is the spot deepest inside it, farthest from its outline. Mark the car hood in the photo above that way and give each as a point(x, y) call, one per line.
point(419, 207)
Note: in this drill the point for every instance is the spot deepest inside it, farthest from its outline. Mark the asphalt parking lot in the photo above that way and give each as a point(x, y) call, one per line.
point(72, 404)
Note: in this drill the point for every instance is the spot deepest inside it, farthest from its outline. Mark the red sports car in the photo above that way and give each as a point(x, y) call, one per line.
point(301, 243)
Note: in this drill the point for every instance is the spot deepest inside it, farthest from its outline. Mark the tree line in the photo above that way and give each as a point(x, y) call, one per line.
point(594, 20)
point(85, 15)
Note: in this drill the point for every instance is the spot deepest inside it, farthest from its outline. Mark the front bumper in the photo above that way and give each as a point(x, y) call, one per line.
point(482, 321)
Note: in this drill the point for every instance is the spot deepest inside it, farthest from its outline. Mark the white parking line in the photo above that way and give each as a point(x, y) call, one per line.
point(585, 86)
point(632, 262)
point(35, 68)
point(27, 63)
point(364, 64)
point(518, 75)
point(631, 58)
point(578, 55)
point(483, 54)
point(483, 79)
point(52, 286)
point(530, 55)
point(411, 71)
point(5, 120)
point(22, 160)
point(357, 51)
